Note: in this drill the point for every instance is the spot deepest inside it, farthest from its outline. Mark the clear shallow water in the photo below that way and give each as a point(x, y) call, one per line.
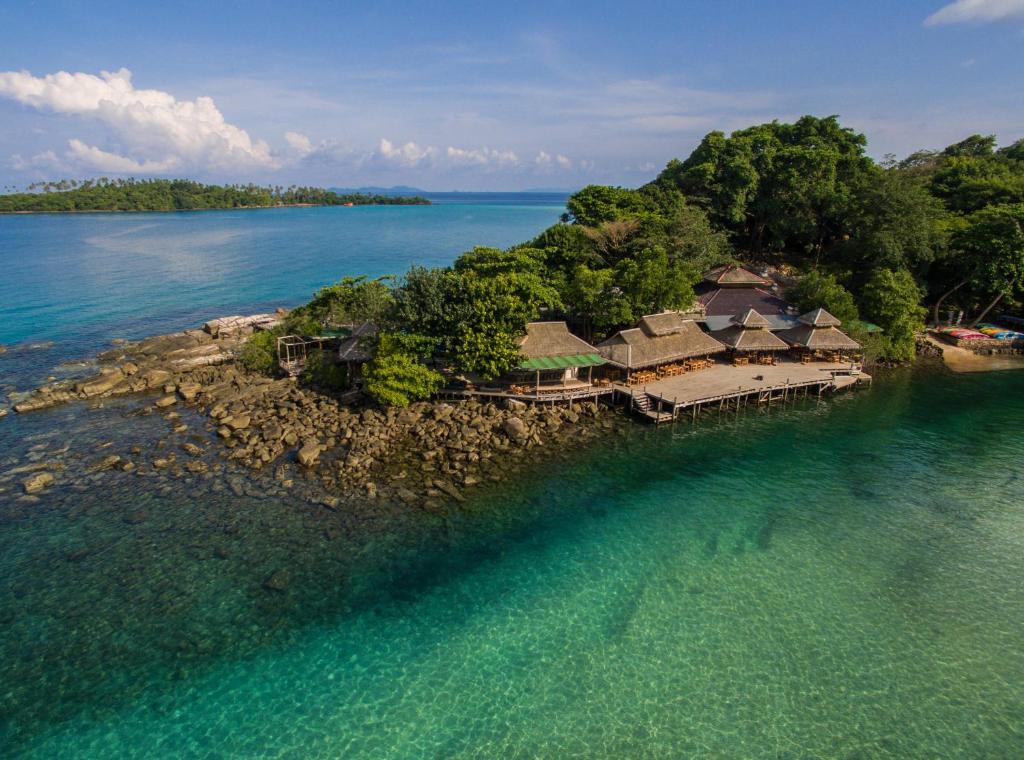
point(834, 580)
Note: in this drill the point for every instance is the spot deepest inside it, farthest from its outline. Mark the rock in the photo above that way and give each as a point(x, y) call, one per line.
point(3, 349)
point(192, 449)
point(3, 413)
point(448, 488)
point(277, 581)
point(371, 490)
point(226, 327)
point(196, 467)
point(237, 421)
point(189, 391)
point(224, 431)
point(153, 378)
point(127, 466)
point(515, 429)
point(106, 463)
point(407, 496)
point(36, 483)
point(102, 383)
point(129, 368)
point(166, 401)
point(309, 454)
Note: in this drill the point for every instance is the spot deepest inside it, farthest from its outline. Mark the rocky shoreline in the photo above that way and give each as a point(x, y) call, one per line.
point(291, 439)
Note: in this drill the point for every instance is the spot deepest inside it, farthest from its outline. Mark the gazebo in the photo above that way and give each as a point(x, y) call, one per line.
point(818, 333)
point(750, 334)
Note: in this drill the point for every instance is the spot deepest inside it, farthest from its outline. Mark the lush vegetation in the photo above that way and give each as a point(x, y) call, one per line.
point(865, 240)
point(175, 195)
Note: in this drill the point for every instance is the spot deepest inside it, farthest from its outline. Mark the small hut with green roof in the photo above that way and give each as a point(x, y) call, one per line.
point(552, 356)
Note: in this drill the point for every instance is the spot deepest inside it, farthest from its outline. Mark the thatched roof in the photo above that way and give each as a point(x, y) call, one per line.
point(750, 339)
point(353, 348)
point(751, 319)
point(660, 338)
point(823, 338)
point(750, 331)
point(657, 325)
point(820, 318)
point(732, 275)
point(551, 339)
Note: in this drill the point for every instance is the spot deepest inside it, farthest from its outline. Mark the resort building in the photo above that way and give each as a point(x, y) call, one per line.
point(749, 335)
point(660, 341)
point(729, 290)
point(818, 336)
point(553, 363)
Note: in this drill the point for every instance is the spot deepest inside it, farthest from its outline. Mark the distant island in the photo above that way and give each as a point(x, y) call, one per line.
point(105, 194)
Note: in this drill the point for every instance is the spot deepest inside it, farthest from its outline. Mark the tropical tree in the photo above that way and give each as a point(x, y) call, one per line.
point(396, 376)
point(893, 300)
point(818, 290)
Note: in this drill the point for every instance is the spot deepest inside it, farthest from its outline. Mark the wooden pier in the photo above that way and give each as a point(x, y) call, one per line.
point(725, 387)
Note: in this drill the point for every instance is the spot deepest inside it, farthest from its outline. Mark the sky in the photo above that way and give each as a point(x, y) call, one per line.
point(481, 95)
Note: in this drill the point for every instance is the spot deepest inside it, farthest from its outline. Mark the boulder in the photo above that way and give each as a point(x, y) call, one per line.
point(36, 483)
point(102, 383)
point(107, 463)
point(277, 581)
point(189, 391)
point(153, 378)
point(237, 421)
point(309, 454)
point(515, 429)
point(165, 401)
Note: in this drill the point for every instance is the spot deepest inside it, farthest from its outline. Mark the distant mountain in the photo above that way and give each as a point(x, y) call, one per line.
point(396, 190)
point(560, 190)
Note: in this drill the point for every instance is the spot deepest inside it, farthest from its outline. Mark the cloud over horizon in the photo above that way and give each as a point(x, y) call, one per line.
point(976, 11)
point(153, 131)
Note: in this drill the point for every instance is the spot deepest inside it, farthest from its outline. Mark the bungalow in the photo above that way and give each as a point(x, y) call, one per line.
point(551, 360)
point(750, 333)
point(818, 332)
point(658, 339)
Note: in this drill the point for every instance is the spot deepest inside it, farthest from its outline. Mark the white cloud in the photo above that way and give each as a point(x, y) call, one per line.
point(45, 160)
point(977, 11)
point(409, 154)
point(93, 158)
point(481, 157)
point(154, 128)
point(299, 142)
point(562, 161)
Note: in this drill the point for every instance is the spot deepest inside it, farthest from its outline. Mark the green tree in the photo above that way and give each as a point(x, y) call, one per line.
point(351, 300)
point(651, 282)
point(259, 352)
point(595, 204)
point(818, 290)
point(595, 302)
point(990, 252)
point(395, 376)
point(893, 300)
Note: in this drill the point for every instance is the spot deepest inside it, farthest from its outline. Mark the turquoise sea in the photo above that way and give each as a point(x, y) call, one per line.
point(837, 579)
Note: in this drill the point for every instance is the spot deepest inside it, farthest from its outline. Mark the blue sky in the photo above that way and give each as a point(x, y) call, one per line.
point(481, 96)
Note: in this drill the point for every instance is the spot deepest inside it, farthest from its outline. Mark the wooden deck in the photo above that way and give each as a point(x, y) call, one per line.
point(725, 385)
point(568, 392)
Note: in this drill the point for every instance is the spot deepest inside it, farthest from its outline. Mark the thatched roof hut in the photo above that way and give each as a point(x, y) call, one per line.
point(657, 339)
point(750, 331)
point(550, 345)
point(353, 348)
point(735, 276)
point(818, 330)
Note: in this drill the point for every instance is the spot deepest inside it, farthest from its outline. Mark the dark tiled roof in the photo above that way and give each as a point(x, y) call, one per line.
point(727, 302)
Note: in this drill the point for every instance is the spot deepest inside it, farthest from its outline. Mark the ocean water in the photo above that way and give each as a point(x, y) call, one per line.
point(834, 579)
point(81, 280)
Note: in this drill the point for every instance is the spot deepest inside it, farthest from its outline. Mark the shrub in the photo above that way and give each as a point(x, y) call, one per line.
point(259, 352)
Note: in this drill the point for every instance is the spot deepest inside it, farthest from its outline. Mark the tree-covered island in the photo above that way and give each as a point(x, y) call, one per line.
point(874, 243)
point(105, 194)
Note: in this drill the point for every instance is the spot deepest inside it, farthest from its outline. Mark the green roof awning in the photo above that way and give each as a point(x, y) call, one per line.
point(562, 362)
